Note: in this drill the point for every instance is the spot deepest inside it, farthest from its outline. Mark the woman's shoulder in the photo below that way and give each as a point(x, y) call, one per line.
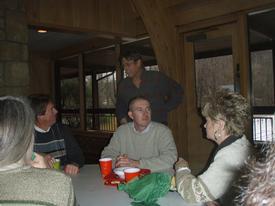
point(236, 152)
point(31, 181)
point(242, 145)
point(48, 175)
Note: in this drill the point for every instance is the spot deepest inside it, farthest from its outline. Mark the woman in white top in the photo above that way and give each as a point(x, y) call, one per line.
point(226, 114)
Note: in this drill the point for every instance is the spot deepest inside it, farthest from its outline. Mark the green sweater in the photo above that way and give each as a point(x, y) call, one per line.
point(155, 148)
point(32, 186)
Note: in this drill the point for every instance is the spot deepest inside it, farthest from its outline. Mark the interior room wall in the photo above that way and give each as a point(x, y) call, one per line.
point(41, 74)
point(14, 67)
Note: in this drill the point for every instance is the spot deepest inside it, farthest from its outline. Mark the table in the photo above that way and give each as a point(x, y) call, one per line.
point(90, 190)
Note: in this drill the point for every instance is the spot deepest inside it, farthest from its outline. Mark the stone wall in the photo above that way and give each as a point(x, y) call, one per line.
point(14, 66)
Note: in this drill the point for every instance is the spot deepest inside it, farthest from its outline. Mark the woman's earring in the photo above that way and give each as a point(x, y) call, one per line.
point(216, 136)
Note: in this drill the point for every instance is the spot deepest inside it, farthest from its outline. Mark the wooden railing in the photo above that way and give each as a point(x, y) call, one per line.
point(96, 119)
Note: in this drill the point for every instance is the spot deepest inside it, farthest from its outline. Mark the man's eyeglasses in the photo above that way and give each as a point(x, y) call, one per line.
point(141, 110)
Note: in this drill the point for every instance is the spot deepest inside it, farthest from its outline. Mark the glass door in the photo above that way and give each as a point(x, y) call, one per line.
point(211, 61)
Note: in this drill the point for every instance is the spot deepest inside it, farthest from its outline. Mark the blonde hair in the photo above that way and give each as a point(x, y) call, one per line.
point(16, 129)
point(230, 107)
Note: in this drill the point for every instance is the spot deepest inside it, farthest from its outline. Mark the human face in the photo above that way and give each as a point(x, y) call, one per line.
point(131, 67)
point(140, 113)
point(49, 118)
point(211, 127)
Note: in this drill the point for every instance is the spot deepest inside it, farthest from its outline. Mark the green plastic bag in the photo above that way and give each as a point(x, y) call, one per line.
point(146, 190)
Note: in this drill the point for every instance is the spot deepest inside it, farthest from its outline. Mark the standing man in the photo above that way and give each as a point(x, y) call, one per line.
point(53, 139)
point(163, 92)
point(142, 143)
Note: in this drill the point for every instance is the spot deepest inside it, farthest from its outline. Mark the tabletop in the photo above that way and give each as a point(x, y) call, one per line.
point(90, 190)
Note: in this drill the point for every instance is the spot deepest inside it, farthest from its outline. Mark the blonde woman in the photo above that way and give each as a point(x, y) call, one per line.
point(226, 114)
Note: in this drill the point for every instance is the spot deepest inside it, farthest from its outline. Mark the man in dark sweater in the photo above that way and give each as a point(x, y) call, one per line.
point(164, 93)
point(54, 139)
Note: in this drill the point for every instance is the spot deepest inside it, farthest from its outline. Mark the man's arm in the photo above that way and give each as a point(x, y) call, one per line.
point(167, 154)
point(174, 92)
point(121, 106)
point(73, 151)
point(113, 149)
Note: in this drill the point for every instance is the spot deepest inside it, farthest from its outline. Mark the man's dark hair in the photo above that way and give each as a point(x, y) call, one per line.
point(131, 55)
point(39, 103)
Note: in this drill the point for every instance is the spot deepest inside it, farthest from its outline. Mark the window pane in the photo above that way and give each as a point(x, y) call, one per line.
point(262, 78)
point(101, 110)
point(70, 102)
point(89, 91)
point(212, 73)
point(106, 89)
point(263, 128)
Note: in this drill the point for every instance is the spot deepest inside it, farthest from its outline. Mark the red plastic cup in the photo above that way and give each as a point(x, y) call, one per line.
point(105, 166)
point(131, 173)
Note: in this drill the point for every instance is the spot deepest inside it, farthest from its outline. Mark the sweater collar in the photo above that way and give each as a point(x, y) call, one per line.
point(228, 141)
point(144, 131)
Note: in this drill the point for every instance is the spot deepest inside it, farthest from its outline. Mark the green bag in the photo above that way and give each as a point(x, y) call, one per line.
point(146, 190)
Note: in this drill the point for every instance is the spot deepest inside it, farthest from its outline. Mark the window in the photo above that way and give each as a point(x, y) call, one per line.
point(261, 45)
point(262, 78)
point(212, 73)
point(263, 128)
point(211, 56)
point(99, 97)
point(100, 106)
point(70, 102)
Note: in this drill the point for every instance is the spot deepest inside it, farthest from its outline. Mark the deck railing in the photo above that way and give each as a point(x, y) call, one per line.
point(97, 119)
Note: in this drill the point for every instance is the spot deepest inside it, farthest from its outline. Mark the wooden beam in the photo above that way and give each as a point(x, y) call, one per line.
point(90, 45)
point(166, 45)
point(82, 89)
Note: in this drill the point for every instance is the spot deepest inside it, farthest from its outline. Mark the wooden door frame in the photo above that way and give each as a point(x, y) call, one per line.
point(240, 60)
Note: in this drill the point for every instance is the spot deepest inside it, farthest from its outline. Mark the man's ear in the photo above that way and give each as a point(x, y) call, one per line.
point(138, 62)
point(130, 114)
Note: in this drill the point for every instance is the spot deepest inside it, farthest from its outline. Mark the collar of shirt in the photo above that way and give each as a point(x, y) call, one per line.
point(144, 131)
point(38, 129)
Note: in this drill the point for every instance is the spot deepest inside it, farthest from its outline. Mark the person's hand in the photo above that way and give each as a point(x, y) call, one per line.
point(49, 160)
point(181, 163)
point(71, 169)
point(39, 161)
point(124, 161)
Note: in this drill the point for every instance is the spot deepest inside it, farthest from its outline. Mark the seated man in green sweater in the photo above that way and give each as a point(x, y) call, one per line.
point(142, 143)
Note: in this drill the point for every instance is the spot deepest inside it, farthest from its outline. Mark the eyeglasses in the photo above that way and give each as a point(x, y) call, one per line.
point(141, 110)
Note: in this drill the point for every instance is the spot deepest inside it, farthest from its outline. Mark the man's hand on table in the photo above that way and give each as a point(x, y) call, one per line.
point(49, 160)
point(39, 161)
point(124, 161)
point(71, 169)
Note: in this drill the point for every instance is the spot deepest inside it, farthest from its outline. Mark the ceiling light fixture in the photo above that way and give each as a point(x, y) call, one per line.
point(42, 30)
